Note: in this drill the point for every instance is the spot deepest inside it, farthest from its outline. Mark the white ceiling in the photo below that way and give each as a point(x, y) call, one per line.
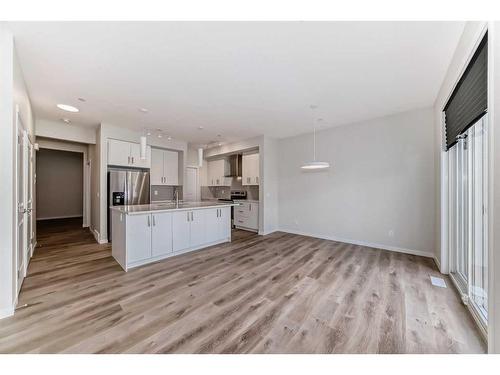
point(237, 79)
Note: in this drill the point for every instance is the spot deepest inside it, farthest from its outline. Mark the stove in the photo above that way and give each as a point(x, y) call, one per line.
point(235, 195)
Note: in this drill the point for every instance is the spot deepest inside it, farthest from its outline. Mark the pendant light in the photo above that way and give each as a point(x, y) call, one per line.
point(200, 157)
point(314, 164)
point(143, 142)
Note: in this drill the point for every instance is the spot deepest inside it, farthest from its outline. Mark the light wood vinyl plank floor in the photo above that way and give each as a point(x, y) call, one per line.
point(280, 293)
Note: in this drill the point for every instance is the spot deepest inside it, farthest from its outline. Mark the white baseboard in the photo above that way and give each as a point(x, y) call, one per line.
point(362, 243)
point(58, 217)
point(438, 263)
point(6, 312)
point(265, 233)
point(97, 237)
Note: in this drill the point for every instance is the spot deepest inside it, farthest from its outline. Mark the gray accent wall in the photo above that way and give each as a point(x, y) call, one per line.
point(59, 184)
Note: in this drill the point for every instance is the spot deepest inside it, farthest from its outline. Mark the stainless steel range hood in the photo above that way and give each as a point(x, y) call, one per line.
point(235, 163)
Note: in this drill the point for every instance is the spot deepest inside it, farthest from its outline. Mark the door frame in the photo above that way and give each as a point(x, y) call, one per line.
point(59, 145)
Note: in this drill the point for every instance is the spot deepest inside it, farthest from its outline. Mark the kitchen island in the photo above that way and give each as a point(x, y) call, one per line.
point(146, 233)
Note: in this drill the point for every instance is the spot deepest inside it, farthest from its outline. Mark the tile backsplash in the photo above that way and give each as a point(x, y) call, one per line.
point(224, 192)
point(164, 193)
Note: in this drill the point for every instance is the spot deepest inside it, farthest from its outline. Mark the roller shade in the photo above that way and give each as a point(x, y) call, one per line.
point(469, 101)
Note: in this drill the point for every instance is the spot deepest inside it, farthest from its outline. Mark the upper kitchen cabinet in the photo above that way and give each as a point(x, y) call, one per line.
point(216, 172)
point(127, 154)
point(250, 169)
point(164, 167)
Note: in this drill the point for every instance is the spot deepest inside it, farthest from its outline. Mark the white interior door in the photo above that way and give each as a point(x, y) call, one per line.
point(191, 186)
point(21, 182)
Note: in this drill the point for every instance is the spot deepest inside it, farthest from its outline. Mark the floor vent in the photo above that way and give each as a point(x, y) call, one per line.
point(437, 281)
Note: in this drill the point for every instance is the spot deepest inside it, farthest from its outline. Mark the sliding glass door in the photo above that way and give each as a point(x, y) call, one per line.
point(468, 160)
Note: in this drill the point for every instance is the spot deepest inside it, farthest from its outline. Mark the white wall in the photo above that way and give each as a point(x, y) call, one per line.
point(270, 188)
point(381, 180)
point(69, 132)
point(7, 148)
point(12, 92)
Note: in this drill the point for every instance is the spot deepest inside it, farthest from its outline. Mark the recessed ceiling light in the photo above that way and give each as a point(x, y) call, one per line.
point(220, 144)
point(200, 127)
point(148, 133)
point(169, 138)
point(143, 110)
point(66, 107)
point(66, 120)
point(82, 99)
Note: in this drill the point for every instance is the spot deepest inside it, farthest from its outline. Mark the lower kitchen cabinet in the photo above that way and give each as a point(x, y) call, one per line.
point(142, 238)
point(197, 235)
point(161, 234)
point(138, 231)
point(218, 224)
point(181, 230)
point(246, 215)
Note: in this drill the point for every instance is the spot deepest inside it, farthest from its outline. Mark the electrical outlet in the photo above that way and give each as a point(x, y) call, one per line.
point(391, 233)
point(155, 192)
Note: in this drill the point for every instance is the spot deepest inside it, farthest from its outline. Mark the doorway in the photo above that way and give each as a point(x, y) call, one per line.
point(59, 185)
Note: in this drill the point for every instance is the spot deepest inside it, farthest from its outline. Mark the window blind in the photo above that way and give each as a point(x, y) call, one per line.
point(469, 101)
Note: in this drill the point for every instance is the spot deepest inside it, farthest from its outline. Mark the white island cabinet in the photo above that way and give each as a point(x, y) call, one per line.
point(145, 234)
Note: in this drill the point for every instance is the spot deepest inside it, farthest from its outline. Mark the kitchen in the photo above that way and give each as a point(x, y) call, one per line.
point(148, 220)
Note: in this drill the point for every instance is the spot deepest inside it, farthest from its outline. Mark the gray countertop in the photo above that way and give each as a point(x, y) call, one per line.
point(161, 207)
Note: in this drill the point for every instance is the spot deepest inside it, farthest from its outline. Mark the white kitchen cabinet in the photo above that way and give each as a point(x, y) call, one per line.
point(212, 224)
point(217, 224)
point(197, 236)
point(181, 230)
point(138, 238)
point(161, 233)
point(127, 154)
point(216, 172)
point(157, 170)
point(141, 238)
point(164, 167)
point(250, 170)
point(246, 215)
point(224, 223)
point(188, 229)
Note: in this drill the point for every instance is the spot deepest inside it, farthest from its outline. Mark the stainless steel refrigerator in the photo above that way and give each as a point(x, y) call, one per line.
point(127, 187)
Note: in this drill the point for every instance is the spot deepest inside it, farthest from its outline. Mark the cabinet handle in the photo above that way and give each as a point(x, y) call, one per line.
point(192, 216)
point(187, 212)
point(132, 159)
point(128, 160)
point(154, 221)
point(250, 207)
point(149, 221)
point(248, 179)
point(257, 180)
